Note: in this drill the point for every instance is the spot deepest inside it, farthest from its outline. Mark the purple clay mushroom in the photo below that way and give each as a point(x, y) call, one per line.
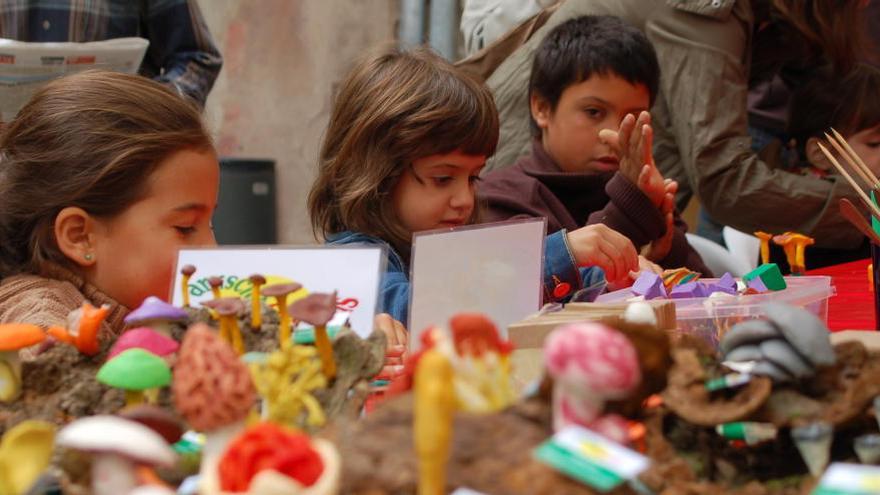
point(118, 446)
point(649, 285)
point(146, 339)
point(156, 314)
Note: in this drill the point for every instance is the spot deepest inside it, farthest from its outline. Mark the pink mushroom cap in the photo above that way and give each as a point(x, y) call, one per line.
point(594, 356)
point(146, 339)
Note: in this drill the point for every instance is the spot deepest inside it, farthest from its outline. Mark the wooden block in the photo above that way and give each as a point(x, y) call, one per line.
point(531, 332)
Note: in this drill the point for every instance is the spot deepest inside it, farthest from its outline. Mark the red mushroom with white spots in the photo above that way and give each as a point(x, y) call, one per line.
point(590, 363)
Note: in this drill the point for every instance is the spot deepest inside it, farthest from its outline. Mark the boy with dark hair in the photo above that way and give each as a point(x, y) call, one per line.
point(591, 157)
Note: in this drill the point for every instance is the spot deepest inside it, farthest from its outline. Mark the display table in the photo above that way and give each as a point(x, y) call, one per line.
point(853, 306)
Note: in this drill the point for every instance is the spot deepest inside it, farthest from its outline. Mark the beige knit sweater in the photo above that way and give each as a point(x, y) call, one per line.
point(46, 299)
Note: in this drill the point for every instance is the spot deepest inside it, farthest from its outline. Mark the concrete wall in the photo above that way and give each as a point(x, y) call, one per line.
point(282, 61)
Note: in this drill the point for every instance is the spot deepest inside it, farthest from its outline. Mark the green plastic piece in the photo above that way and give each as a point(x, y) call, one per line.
point(874, 222)
point(135, 369)
point(306, 336)
point(769, 274)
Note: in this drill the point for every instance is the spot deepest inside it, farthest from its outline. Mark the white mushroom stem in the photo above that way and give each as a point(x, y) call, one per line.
point(112, 474)
point(581, 405)
point(216, 442)
point(11, 358)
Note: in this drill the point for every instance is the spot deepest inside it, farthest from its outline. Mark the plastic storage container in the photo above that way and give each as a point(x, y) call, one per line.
point(710, 319)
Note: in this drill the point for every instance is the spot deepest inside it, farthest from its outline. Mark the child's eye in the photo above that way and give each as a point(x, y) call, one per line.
point(595, 113)
point(874, 144)
point(442, 180)
point(185, 230)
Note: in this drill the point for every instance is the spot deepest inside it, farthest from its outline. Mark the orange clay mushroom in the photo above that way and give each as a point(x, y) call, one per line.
point(794, 245)
point(257, 281)
point(280, 293)
point(228, 309)
point(14, 336)
point(187, 271)
point(765, 246)
point(316, 310)
point(216, 283)
point(83, 325)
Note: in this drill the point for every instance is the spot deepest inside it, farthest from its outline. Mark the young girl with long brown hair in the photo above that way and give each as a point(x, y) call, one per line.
point(102, 177)
point(407, 139)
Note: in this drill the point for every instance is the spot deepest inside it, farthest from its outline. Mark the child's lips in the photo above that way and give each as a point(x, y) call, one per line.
point(606, 163)
point(452, 223)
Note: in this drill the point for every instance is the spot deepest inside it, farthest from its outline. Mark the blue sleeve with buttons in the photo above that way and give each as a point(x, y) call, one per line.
point(564, 281)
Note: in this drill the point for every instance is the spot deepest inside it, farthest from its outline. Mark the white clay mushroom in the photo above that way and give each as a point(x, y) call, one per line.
point(117, 445)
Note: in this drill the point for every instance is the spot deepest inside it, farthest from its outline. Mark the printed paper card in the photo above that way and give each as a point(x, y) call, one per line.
point(591, 458)
point(353, 272)
point(849, 479)
point(494, 269)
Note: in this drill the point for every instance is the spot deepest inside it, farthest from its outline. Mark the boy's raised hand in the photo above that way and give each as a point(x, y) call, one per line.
point(599, 245)
point(632, 144)
point(659, 249)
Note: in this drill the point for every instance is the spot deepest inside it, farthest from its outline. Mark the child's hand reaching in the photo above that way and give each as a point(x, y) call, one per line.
point(632, 144)
point(395, 351)
point(645, 265)
point(606, 248)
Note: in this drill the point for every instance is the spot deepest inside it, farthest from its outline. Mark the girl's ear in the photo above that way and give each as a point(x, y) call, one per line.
point(541, 110)
point(815, 155)
point(74, 233)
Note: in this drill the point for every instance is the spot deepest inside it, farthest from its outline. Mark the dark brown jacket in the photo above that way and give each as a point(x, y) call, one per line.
point(536, 187)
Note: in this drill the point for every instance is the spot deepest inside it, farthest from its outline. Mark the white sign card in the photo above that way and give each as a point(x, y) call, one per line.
point(353, 272)
point(494, 269)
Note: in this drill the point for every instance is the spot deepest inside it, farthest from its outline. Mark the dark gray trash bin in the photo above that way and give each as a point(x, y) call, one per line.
point(246, 211)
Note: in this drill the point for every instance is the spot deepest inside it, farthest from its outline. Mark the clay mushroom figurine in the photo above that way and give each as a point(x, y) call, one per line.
point(228, 309)
point(167, 425)
point(118, 445)
point(317, 309)
point(268, 458)
point(432, 419)
point(216, 284)
point(764, 237)
point(25, 451)
point(156, 314)
point(214, 393)
point(187, 272)
point(590, 364)
point(794, 245)
point(146, 339)
point(83, 325)
point(280, 293)
point(257, 281)
point(14, 336)
point(137, 372)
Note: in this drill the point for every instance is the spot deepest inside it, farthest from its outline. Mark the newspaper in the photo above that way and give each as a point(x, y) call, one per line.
point(25, 67)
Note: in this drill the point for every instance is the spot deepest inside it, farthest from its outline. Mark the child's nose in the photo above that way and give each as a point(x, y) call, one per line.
point(463, 197)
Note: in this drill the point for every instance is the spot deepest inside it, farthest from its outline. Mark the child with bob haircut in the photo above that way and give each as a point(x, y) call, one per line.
point(593, 75)
point(407, 139)
point(103, 176)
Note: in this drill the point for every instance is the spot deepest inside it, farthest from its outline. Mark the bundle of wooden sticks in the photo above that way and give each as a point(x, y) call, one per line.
point(854, 163)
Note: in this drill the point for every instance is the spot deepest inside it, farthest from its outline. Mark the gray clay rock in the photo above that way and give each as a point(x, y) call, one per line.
point(747, 352)
point(780, 353)
point(806, 333)
point(748, 332)
point(772, 371)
